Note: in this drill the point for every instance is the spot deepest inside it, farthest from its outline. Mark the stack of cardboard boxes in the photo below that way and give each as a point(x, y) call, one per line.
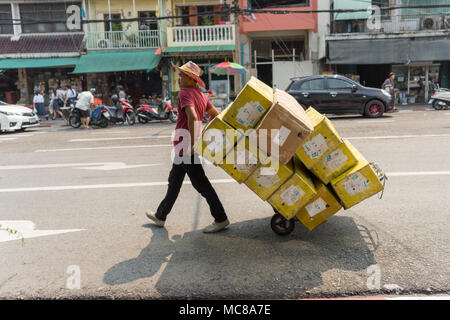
point(293, 159)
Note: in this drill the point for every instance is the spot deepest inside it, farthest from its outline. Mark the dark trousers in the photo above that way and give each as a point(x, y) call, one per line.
point(199, 181)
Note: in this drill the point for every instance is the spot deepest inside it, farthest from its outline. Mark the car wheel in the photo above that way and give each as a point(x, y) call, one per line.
point(374, 109)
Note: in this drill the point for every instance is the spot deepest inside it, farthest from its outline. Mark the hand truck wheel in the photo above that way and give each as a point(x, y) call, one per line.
point(282, 226)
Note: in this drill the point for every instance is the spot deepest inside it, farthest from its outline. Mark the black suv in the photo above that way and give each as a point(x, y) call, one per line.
point(334, 94)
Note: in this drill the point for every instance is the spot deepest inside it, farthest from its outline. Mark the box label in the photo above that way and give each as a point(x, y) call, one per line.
point(266, 181)
point(282, 135)
point(335, 160)
point(316, 146)
point(316, 207)
point(357, 183)
point(292, 194)
point(249, 113)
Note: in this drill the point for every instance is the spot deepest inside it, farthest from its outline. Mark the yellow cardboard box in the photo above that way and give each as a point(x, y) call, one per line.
point(265, 180)
point(335, 163)
point(242, 160)
point(320, 208)
point(297, 191)
point(357, 183)
point(323, 140)
point(283, 128)
point(218, 138)
point(249, 106)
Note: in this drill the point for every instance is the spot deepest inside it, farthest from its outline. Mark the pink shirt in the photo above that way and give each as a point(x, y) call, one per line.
point(190, 97)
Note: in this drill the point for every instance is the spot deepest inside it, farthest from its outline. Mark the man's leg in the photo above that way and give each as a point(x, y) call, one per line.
point(176, 177)
point(87, 121)
point(202, 184)
point(83, 122)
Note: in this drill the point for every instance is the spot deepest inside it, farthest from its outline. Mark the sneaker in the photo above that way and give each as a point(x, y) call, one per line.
point(151, 216)
point(216, 226)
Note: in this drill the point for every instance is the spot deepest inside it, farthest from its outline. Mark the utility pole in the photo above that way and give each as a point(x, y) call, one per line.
point(237, 41)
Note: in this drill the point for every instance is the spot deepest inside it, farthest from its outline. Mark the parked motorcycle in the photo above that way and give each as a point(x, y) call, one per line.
point(121, 111)
point(97, 118)
point(440, 99)
point(162, 110)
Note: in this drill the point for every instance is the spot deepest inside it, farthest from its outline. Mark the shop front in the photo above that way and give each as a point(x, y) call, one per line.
point(21, 77)
point(138, 72)
point(419, 63)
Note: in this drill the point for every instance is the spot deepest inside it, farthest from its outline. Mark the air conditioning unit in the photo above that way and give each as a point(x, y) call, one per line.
point(447, 22)
point(103, 43)
point(430, 23)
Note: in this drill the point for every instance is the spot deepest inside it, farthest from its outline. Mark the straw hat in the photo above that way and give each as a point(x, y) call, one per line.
point(192, 70)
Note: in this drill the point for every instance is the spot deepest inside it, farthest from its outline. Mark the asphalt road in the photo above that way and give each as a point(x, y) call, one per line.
point(79, 197)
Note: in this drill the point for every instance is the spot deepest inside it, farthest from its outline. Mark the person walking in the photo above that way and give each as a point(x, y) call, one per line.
point(84, 103)
point(192, 105)
point(58, 103)
point(38, 104)
point(389, 85)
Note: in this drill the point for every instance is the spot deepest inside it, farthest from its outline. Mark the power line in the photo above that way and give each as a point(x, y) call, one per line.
point(229, 10)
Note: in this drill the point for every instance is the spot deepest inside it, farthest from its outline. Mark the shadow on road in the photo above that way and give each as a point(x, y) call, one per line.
point(248, 260)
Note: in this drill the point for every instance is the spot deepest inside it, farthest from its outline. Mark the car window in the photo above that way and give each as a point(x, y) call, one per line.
point(295, 85)
point(315, 84)
point(339, 84)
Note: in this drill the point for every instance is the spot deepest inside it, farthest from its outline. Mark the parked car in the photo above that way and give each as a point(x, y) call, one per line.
point(334, 94)
point(15, 117)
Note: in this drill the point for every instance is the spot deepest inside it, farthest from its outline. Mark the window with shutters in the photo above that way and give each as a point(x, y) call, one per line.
point(45, 17)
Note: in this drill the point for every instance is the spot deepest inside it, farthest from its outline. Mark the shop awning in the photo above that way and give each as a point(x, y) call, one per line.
point(223, 47)
point(388, 51)
point(96, 62)
point(351, 4)
point(37, 63)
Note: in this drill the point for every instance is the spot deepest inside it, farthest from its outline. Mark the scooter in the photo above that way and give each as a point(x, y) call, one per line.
point(121, 112)
point(440, 99)
point(162, 110)
point(97, 118)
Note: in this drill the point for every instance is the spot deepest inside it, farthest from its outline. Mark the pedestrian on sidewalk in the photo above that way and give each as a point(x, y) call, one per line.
point(389, 85)
point(192, 105)
point(58, 103)
point(84, 103)
point(71, 95)
point(38, 104)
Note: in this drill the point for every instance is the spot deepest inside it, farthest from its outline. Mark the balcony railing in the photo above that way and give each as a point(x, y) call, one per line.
point(200, 35)
point(122, 39)
point(394, 24)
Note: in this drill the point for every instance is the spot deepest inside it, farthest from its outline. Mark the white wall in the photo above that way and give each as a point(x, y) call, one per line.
point(283, 71)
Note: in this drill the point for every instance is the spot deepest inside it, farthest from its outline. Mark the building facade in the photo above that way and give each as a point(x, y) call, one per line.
point(277, 47)
point(413, 43)
point(37, 54)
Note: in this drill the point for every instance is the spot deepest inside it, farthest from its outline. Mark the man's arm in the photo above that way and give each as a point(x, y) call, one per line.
point(192, 118)
point(212, 112)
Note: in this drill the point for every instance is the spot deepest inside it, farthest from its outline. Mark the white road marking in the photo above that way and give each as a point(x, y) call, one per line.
point(7, 139)
point(103, 186)
point(400, 137)
point(163, 183)
point(412, 174)
point(119, 138)
point(106, 148)
point(26, 229)
point(89, 166)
